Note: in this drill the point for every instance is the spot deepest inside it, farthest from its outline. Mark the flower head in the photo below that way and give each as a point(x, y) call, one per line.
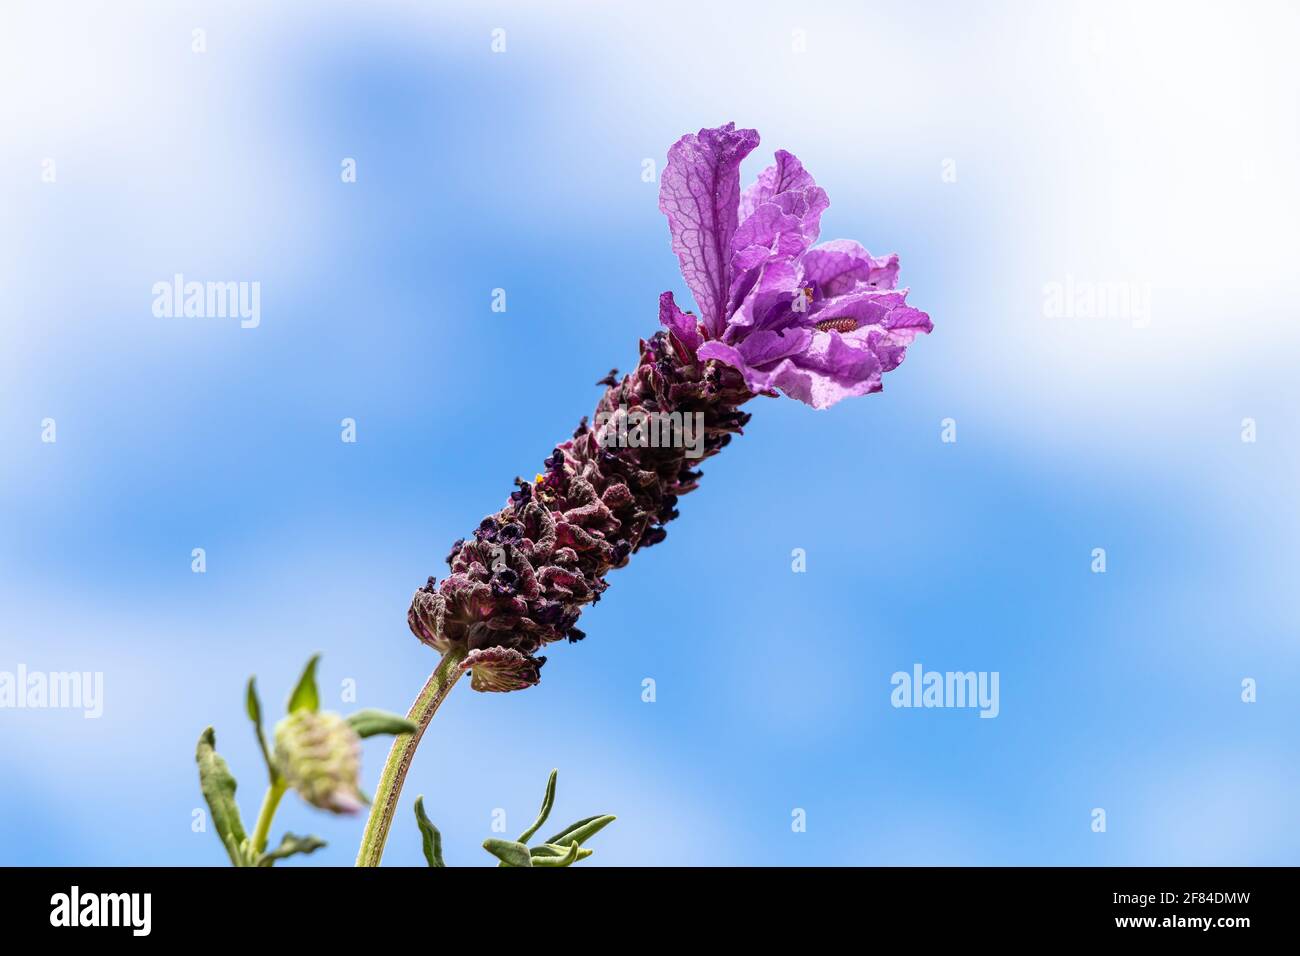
point(319, 755)
point(817, 322)
point(777, 313)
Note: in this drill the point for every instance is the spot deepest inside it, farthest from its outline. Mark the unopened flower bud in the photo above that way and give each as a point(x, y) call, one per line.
point(319, 755)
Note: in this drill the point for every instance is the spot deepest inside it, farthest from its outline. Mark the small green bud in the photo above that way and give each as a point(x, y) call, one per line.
point(319, 755)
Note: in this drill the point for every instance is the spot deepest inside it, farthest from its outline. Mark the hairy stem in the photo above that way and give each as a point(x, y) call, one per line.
point(384, 805)
point(269, 804)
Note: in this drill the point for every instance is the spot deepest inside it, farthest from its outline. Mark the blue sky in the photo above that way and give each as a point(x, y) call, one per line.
point(999, 148)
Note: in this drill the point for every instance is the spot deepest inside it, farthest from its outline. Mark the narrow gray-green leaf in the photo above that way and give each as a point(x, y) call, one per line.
point(254, 707)
point(289, 845)
point(367, 723)
point(218, 786)
point(508, 852)
point(429, 833)
point(305, 696)
point(550, 849)
point(567, 860)
point(547, 800)
point(582, 831)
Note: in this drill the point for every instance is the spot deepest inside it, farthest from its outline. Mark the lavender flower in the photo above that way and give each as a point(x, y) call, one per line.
point(777, 314)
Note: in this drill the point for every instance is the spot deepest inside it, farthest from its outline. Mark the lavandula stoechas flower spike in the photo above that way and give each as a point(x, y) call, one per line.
point(777, 314)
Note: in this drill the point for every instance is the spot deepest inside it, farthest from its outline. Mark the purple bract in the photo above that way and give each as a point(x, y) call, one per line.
point(819, 323)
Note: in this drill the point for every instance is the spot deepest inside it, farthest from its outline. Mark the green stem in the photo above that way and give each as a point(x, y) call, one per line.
point(269, 803)
point(384, 804)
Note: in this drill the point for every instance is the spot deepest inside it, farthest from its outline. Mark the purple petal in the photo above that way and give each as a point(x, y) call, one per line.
point(680, 323)
point(819, 367)
point(713, 349)
point(700, 195)
point(766, 347)
point(770, 291)
point(763, 348)
point(831, 370)
point(881, 310)
point(842, 265)
point(756, 381)
point(786, 175)
point(770, 233)
point(899, 329)
point(780, 217)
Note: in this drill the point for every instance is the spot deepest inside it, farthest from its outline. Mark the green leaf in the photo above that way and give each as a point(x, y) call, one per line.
point(218, 786)
point(547, 800)
point(509, 852)
point(253, 705)
point(367, 723)
point(289, 845)
point(582, 831)
point(254, 708)
point(305, 696)
point(550, 849)
point(432, 838)
point(567, 860)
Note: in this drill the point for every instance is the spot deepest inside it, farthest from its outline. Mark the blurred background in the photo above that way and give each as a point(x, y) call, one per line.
point(1006, 150)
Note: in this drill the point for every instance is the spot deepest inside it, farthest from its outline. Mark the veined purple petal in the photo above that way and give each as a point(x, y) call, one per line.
point(700, 194)
point(780, 218)
point(770, 233)
point(765, 347)
point(842, 265)
point(830, 370)
point(898, 330)
point(785, 175)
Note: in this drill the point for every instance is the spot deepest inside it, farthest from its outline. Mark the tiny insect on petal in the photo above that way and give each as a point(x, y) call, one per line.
point(836, 325)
